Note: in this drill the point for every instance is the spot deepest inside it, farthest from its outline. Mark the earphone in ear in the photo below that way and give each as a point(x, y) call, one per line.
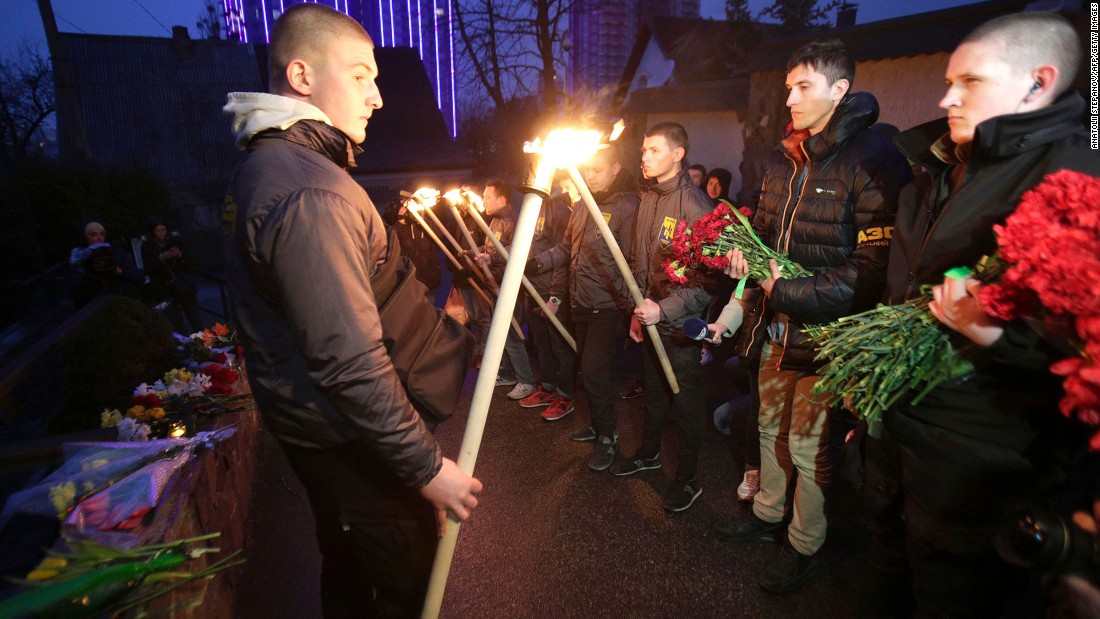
point(1036, 87)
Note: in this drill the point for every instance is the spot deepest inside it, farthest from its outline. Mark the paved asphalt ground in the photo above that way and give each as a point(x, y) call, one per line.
point(554, 539)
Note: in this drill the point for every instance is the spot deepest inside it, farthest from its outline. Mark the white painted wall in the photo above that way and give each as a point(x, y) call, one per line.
point(716, 140)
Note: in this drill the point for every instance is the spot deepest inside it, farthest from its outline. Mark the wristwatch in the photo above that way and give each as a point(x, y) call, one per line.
point(554, 301)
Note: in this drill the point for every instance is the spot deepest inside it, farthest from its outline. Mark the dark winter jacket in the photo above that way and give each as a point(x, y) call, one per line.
point(661, 208)
point(996, 436)
point(830, 205)
point(594, 279)
point(304, 244)
point(417, 245)
point(549, 231)
point(503, 227)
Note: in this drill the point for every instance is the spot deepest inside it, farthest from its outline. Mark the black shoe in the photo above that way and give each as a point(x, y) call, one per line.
point(583, 435)
point(752, 531)
point(603, 454)
point(681, 494)
point(789, 572)
point(636, 391)
point(623, 466)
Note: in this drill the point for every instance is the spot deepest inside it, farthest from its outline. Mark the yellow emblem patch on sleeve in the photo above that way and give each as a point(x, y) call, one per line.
point(668, 228)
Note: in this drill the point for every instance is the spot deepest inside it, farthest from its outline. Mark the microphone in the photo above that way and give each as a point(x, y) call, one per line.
point(696, 329)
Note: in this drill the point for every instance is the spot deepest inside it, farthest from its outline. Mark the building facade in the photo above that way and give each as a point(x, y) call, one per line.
point(424, 25)
point(603, 32)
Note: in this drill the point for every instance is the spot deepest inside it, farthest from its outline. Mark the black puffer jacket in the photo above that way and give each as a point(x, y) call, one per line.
point(995, 437)
point(305, 241)
point(594, 279)
point(833, 214)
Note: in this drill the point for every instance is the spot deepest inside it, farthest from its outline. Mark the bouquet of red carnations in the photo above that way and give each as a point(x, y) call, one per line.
point(703, 245)
point(1048, 273)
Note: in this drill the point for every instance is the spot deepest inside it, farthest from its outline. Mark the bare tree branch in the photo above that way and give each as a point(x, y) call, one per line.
point(26, 102)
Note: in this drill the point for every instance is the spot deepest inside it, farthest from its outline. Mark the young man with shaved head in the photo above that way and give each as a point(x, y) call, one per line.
point(306, 243)
point(953, 465)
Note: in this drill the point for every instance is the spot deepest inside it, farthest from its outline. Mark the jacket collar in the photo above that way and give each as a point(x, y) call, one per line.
point(623, 183)
point(319, 137)
point(672, 184)
point(931, 146)
point(263, 115)
point(856, 112)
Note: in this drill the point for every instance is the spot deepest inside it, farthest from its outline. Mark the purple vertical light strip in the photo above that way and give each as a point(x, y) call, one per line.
point(393, 30)
point(435, 50)
point(381, 23)
point(409, 14)
point(244, 22)
point(226, 12)
point(451, 58)
point(419, 31)
point(267, 33)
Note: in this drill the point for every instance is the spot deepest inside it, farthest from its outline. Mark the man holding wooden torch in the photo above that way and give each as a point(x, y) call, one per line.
point(673, 197)
point(306, 252)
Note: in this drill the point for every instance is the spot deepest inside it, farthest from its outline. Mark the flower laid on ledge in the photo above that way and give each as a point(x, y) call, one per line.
point(1046, 272)
point(704, 245)
point(94, 580)
point(217, 345)
point(206, 385)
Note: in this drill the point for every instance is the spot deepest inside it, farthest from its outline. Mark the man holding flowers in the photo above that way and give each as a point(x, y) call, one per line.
point(672, 198)
point(829, 199)
point(976, 445)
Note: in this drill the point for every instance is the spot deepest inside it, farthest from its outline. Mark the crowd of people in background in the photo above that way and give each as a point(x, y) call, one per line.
point(151, 269)
point(874, 216)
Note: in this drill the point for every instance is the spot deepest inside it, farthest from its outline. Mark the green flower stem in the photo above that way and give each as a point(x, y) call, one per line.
point(876, 357)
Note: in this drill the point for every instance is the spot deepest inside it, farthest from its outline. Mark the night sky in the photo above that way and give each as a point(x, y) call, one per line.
point(21, 21)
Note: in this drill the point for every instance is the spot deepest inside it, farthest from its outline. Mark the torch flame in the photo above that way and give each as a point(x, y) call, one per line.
point(426, 197)
point(565, 148)
point(474, 200)
point(617, 129)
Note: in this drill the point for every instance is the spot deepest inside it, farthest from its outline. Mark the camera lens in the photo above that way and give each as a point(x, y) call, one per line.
point(1043, 540)
point(1033, 539)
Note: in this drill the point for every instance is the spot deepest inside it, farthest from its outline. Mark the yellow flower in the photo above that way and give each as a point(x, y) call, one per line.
point(62, 497)
point(53, 562)
point(38, 575)
point(93, 464)
point(157, 413)
point(136, 411)
point(109, 418)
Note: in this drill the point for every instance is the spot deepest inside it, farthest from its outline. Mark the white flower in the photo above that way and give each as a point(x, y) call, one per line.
point(145, 389)
point(199, 384)
point(178, 387)
point(132, 431)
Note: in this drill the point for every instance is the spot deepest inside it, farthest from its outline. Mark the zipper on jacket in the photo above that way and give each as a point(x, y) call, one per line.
point(787, 241)
point(929, 227)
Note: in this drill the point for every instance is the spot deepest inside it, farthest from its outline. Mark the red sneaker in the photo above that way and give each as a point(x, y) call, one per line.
point(558, 408)
point(539, 398)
